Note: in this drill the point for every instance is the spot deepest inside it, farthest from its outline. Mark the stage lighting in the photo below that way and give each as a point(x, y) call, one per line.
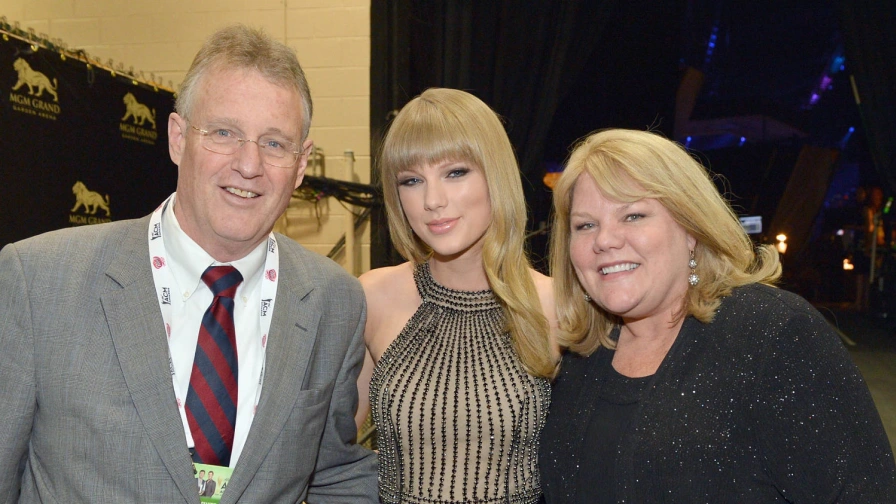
point(782, 243)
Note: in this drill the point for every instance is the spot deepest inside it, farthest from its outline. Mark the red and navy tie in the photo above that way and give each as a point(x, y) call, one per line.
point(212, 396)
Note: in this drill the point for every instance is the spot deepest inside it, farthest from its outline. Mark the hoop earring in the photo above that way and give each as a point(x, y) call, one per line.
point(693, 278)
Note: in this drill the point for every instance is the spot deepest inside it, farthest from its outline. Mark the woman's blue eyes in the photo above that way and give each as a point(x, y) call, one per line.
point(409, 181)
point(590, 225)
point(412, 181)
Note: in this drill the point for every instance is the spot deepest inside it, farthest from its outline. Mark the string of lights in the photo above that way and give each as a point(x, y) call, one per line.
point(43, 41)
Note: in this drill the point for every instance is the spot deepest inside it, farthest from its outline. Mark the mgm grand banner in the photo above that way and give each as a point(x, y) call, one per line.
point(79, 144)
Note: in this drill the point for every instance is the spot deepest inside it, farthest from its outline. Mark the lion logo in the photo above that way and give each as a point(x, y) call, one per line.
point(139, 112)
point(90, 200)
point(33, 79)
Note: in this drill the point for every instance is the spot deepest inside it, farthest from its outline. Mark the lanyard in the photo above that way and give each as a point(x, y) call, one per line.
point(164, 282)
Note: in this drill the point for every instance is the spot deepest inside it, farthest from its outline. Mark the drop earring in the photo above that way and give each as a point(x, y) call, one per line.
point(693, 279)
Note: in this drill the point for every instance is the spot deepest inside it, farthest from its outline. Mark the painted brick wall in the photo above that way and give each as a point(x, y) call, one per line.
point(331, 37)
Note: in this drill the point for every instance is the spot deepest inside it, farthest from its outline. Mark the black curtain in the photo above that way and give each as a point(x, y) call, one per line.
point(520, 59)
point(870, 41)
point(80, 145)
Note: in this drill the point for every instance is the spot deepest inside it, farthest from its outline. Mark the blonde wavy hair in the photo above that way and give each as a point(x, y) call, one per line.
point(449, 124)
point(631, 165)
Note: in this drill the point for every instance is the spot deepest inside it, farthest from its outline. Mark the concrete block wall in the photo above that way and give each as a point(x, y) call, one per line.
point(331, 38)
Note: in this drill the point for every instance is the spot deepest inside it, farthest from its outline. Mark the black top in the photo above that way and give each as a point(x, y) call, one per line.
point(608, 429)
point(761, 405)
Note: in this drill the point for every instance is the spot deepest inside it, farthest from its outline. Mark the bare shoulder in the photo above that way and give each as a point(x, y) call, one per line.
point(392, 299)
point(544, 285)
point(542, 281)
point(389, 280)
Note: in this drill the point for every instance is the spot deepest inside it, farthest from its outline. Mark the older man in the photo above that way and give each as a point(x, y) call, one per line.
point(130, 351)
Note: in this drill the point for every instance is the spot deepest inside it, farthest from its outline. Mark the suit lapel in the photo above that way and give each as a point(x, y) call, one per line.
point(136, 326)
point(291, 341)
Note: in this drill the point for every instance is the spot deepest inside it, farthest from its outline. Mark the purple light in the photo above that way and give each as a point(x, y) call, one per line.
point(814, 99)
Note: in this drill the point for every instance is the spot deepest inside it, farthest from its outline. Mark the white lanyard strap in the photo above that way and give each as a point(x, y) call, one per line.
point(164, 282)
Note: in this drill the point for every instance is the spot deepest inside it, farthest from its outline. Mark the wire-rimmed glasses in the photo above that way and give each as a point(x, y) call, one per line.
point(273, 149)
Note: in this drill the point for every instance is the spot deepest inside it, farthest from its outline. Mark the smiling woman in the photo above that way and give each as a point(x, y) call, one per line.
point(689, 378)
point(461, 334)
point(447, 205)
point(632, 259)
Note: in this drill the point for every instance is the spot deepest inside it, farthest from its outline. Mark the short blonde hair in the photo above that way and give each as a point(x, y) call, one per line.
point(630, 165)
point(242, 47)
point(449, 124)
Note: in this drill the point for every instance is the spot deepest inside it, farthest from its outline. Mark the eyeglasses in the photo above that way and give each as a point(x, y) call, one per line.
point(274, 150)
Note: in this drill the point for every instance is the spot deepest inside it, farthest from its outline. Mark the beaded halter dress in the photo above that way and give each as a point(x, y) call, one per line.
point(458, 418)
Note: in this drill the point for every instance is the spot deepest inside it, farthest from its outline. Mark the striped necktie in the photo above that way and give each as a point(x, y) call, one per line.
point(212, 396)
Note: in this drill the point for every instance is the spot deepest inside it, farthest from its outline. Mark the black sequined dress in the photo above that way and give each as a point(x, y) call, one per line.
point(458, 418)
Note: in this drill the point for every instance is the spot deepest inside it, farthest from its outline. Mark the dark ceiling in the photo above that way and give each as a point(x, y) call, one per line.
point(760, 61)
point(734, 81)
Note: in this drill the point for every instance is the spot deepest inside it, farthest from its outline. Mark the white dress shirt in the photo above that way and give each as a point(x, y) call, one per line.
point(189, 301)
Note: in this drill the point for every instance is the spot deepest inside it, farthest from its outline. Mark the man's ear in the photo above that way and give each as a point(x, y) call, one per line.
point(307, 147)
point(177, 137)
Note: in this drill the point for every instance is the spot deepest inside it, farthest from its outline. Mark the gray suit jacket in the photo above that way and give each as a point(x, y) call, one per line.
point(87, 408)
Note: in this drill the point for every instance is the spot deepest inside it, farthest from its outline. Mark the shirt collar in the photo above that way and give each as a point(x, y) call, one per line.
point(188, 260)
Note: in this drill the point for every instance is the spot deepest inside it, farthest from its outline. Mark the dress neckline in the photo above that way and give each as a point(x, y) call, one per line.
point(433, 292)
point(618, 388)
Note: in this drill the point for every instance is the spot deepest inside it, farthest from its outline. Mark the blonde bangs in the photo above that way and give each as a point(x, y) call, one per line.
point(451, 125)
point(424, 137)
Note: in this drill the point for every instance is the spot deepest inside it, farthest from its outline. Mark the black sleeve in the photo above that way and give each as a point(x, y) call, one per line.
point(819, 432)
